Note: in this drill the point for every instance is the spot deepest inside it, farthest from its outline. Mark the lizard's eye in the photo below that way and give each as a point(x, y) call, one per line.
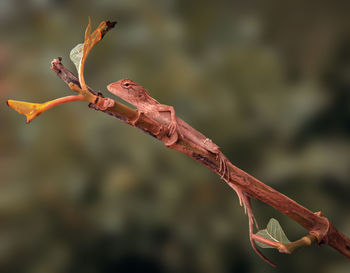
point(126, 84)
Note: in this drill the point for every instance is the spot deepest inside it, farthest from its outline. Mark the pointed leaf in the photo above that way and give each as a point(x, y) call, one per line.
point(273, 232)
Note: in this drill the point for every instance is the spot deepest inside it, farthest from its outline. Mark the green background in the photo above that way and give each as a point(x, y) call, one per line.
point(80, 191)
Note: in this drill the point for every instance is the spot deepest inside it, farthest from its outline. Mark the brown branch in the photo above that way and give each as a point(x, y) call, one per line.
point(317, 225)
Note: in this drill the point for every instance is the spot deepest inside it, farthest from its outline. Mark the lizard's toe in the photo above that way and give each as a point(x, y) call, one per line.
point(223, 168)
point(172, 128)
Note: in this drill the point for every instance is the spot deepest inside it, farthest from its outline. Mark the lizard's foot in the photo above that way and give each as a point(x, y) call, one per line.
point(170, 140)
point(104, 103)
point(223, 169)
point(172, 128)
point(172, 135)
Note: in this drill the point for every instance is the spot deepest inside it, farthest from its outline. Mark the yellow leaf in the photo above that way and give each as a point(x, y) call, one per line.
point(30, 110)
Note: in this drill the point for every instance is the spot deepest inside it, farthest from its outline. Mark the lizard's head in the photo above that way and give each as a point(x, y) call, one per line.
point(127, 90)
point(132, 93)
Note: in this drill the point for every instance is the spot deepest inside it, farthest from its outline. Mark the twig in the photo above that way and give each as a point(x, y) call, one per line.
point(286, 248)
point(317, 225)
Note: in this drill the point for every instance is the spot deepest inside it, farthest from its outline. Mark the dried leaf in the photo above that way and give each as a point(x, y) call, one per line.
point(91, 39)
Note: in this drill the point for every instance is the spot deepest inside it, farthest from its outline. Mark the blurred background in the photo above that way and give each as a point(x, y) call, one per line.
point(80, 191)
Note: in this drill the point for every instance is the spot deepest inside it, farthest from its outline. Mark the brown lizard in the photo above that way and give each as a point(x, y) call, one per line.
point(136, 95)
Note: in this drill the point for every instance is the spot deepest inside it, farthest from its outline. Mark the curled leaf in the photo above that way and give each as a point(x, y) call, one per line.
point(273, 232)
point(76, 54)
point(91, 39)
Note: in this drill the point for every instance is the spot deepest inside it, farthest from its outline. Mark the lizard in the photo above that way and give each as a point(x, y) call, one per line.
point(138, 96)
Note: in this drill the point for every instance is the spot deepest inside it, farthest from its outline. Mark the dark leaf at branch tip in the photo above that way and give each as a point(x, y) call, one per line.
point(109, 26)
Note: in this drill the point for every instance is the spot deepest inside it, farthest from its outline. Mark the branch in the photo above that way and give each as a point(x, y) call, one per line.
point(318, 226)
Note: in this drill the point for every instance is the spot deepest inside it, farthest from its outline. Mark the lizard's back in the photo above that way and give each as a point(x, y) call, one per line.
point(185, 130)
point(136, 95)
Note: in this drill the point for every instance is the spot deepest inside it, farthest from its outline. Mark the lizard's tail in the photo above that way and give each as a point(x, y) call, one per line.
point(251, 218)
point(224, 172)
point(244, 201)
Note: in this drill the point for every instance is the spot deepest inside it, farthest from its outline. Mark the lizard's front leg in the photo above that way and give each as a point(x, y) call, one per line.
point(173, 123)
point(103, 103)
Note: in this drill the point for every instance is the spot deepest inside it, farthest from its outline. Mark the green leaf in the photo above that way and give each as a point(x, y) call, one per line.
point(76, 55)
point(273, 232)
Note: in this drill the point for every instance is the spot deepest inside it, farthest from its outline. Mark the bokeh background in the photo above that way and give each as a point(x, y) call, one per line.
point(80, 191)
